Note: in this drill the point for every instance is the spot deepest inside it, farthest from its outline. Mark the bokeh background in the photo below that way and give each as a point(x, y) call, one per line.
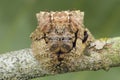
point(18, 20)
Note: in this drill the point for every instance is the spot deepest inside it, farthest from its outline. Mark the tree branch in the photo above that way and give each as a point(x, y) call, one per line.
point(21, 65)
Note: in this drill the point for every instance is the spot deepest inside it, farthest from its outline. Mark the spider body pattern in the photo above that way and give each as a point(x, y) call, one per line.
point(59, 40)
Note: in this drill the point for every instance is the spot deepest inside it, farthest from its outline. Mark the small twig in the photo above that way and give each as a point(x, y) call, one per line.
point(21, 64)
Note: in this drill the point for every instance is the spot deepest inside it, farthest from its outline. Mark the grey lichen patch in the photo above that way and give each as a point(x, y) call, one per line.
point(114, 51)
point(99, 44)
point(19, 65)
point(115, 42)
point(95, 62)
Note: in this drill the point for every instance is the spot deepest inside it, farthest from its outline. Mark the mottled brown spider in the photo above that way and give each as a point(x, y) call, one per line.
point(60, 39)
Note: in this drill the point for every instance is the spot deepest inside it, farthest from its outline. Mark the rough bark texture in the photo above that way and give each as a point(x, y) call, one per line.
point(21, 65)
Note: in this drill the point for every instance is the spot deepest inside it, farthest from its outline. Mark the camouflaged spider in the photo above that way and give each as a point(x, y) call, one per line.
point(59, 38)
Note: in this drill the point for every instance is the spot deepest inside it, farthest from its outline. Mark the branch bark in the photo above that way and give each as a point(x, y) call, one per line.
point(21, 65)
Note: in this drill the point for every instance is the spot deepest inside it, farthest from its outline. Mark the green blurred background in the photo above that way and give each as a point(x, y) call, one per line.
point(18, 20)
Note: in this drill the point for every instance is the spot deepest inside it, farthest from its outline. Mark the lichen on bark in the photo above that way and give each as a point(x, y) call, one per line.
point(21, 64)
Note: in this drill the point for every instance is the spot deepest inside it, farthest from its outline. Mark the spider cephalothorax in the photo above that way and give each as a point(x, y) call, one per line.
point(59, 37)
